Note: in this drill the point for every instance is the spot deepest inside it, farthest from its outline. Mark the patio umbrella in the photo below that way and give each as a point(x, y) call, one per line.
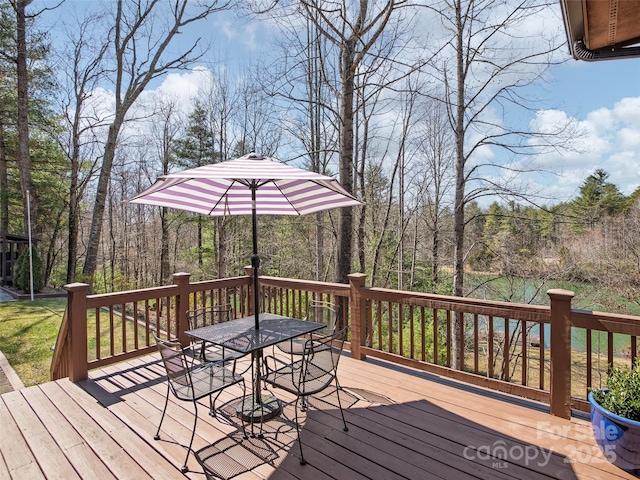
point(250, 185)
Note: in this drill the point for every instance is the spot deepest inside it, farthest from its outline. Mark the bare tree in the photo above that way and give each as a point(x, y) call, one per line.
point(165, 131)
point(436, 152)
point(303, 85)
point(84, 69)
point(221, 102)
point(140, 45)
point(483, 70)
point(354, 32)
point(352, 28)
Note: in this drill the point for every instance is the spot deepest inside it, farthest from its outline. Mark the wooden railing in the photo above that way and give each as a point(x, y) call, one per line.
point(108, 328)
point(520, 349)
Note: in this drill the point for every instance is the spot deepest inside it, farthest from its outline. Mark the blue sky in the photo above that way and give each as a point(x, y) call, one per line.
point(587, 86)
point(601, 98)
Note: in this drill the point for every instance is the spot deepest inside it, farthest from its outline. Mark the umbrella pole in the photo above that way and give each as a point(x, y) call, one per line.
point(258, 406)
point(255, 263)
point(255, 259)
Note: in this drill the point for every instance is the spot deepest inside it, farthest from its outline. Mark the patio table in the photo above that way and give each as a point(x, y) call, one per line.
point(242, 336)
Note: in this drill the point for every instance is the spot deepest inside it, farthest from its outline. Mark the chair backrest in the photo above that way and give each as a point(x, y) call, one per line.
point(211, 315)
point(323, 312)
point(175, 362)
point(320, 361)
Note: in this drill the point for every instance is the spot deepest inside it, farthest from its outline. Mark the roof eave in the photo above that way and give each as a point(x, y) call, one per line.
point(573, 18)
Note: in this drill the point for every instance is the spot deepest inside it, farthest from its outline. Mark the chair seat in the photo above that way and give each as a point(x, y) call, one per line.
point(290, 378)
point(295, 346)
point(206, 379)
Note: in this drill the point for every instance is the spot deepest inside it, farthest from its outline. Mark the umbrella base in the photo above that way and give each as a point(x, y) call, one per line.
point(250, 410)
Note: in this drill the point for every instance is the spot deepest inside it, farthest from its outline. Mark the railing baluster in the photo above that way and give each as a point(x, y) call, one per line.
point(111, 332)
point(505, 352)
point(412, 333)
point(524, 353)
point(589, 347)
point(379, 323)
point(542, 357)
point(400, 329)
point(462, 333)
point(448, 338)
point(98, 339)
point(436, 336)
point(147, 325)
point(475, 343)
point(135, 326)
point(123, 319)
point(158, 316)
point(490, 370)
point(423, 335)
point(390, 323)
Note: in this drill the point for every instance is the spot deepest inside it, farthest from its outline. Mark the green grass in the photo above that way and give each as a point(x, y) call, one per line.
point(28, 330)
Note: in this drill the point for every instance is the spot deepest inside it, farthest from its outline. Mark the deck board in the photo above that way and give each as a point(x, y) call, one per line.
point(403, 424)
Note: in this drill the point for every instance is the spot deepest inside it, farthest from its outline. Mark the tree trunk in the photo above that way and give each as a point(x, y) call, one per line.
point(72, 240)
point(458, 215)
point(345, 229)
point(4, 185)
point(100, 201)
point(200, 242)
point(23, 157)
point(222, 247)
point(165, 274)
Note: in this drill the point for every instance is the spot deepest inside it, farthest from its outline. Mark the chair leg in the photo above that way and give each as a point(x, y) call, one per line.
point(184, 467)
point(338, 388)
point(261, 434)
point(302, 460)
point(212, 404)
point(166, 402)
point(244, 394)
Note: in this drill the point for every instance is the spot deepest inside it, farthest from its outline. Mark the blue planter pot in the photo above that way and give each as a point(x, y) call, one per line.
point(617, 437)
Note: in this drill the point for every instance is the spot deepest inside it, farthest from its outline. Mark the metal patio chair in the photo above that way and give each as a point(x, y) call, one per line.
point(191, 383)
point(212, 315)
point(317, 311)
point(315, 371)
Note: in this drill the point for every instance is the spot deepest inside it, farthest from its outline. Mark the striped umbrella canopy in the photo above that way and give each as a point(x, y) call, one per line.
point(226, 188)
point(249, 185)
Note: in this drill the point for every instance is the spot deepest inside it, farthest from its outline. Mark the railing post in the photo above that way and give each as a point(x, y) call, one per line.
point(181, 279)
point(560, 354)
point(358, 314)
point(248, 270)
point(77, 334)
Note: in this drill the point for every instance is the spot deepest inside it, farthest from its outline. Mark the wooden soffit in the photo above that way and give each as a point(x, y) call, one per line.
point(609, 28)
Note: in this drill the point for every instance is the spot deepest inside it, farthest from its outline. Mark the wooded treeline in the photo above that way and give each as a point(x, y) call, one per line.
point(358, 90)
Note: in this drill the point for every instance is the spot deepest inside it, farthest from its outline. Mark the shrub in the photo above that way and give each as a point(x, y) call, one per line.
point(623, 395)
point(21, 277)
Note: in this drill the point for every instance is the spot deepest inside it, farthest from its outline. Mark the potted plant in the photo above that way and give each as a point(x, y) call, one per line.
point(615, 417)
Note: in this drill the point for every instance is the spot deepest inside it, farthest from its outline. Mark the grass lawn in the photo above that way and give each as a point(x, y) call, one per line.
point(28, 331)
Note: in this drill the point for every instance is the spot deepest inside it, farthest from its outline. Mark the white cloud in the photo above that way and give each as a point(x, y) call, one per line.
point(607, 138)
point(183, 86)
point(627, 110)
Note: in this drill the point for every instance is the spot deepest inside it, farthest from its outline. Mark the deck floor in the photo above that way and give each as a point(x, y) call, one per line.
point(403, 424)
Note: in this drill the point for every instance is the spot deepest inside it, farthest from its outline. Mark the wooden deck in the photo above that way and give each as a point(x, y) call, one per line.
point(403, 424)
